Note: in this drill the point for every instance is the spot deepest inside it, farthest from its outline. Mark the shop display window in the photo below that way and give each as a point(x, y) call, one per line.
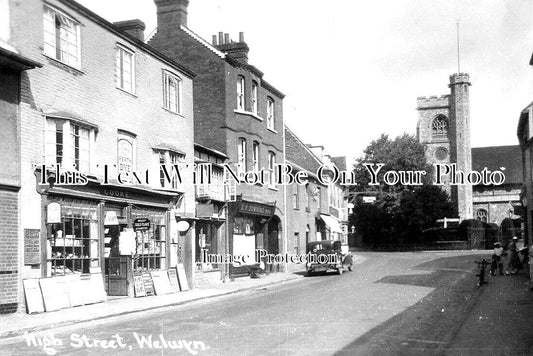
point(73, 243)
point(150, 250)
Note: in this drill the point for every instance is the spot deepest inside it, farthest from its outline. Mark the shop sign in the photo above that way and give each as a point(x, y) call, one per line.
point(34, 298)
point(110, 218)
point(32, 247)
point(53, 213)
point(173, 278)
point(256, 209)
point(138, 283)
point(141, 224)
point(148, 283)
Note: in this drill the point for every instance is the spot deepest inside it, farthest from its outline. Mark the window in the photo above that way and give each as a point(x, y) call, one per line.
point(440, 126)
point(254, 98)
point(295, 197)
point(126, 152)
point(270, 113)
point(150, 251)
point(241, 159)
point(74, 244)
point(68, 144)
point(255, 156)
point(61, 37)
point(172, 89)
point(240, 93)
point(168, 160)
point(125, 69)
point(271, 165)
point(482, 215)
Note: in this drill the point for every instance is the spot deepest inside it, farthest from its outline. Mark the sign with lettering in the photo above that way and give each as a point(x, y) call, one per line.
point(32, 246)
point(161, 282)
point(256, 209)
point(148, 283)
point(141, 224)
point(53, 213)
point(138, 283)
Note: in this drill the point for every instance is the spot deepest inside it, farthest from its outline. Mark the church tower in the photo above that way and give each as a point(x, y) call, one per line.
point(444, 129)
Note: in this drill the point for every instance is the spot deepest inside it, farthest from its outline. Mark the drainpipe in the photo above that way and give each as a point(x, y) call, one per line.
point(285, 227)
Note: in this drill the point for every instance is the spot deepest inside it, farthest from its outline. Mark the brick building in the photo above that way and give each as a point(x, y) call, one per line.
point(103, 102)
point(492, 203)
point(444, 129)
point(238, 113)
point(13, 67)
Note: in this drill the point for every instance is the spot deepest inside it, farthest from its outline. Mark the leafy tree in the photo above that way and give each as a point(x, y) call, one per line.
point(400, 212)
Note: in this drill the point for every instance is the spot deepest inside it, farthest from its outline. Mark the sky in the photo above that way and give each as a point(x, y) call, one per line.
point(353, 69)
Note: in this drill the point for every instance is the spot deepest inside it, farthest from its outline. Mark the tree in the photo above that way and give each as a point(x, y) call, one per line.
point(401, 211)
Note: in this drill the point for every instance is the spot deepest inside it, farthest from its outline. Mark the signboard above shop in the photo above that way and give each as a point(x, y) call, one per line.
point(256, 209)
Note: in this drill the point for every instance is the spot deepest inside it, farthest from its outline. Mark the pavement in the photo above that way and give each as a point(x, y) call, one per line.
point(19, 323)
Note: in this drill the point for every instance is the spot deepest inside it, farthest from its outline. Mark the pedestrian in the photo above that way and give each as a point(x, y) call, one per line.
point(514, 264)
point(497, 259)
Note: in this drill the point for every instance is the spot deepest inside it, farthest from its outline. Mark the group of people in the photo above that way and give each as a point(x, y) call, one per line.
point(514, 263)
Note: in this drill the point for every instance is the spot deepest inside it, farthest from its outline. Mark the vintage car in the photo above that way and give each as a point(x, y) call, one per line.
point(327, 256)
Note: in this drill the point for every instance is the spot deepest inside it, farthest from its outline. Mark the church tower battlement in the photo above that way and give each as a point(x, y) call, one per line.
point(444, 129)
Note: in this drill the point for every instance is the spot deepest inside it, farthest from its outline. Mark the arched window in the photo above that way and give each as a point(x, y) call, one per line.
point(439, 127)
point(482, 215)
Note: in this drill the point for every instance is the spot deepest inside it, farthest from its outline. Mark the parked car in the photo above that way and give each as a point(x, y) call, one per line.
point(327, 256)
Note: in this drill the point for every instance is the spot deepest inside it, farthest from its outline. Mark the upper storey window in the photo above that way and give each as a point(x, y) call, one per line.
point(254, 98)
point(270, 113)
point(172, 92)
point(61, 37)
point(125, 69)
point(240, 93)
point(439, 127)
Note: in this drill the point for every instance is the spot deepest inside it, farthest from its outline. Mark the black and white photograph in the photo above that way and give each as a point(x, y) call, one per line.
point(250, 177)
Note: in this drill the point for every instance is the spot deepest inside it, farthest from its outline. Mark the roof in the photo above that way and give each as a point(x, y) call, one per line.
point(340, 162)
point(298, 153)
point(498, 157)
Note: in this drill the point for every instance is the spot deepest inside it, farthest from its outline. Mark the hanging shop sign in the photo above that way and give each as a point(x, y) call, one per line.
point(141, 224)
point(110, 218)
point(182, 226)
point(53, 213)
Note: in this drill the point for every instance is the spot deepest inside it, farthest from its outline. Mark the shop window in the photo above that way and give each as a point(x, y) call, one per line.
point(61, 37)
point(150, 252)
point(240, 93)
point(172, 88)
point(73, 242)
point(270, 113)
point(68, 144)
point(206, 243)
point(125, 69)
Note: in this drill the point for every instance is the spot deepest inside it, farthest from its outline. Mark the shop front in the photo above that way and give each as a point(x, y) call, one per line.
point(112, 235)
point(252, 226)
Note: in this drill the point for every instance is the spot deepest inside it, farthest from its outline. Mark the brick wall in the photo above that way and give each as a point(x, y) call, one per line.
point(9, 283)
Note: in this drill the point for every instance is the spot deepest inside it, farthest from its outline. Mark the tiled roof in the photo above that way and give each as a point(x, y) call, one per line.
point(298, 153)
point(498, 157)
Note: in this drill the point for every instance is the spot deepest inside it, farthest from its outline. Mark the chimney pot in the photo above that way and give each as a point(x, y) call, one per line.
point(220, 38)
point(226, 38)
point(241, 36)
point(214, 41)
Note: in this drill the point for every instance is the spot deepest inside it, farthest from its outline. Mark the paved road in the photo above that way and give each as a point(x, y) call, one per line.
point(393, 303)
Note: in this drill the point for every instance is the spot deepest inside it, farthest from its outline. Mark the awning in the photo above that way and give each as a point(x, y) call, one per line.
point(332, 223)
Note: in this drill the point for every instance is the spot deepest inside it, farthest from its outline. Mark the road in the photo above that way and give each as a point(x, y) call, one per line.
point(392, 303)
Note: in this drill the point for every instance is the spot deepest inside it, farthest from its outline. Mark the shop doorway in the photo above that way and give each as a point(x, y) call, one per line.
point(272, 241)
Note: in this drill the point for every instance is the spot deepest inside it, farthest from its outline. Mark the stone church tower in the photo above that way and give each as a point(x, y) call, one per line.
point(444, 129)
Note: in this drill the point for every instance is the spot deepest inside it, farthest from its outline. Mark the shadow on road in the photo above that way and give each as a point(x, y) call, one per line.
point(430, 324)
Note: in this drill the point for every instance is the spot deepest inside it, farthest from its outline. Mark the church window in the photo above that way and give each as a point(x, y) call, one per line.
point(440, 126)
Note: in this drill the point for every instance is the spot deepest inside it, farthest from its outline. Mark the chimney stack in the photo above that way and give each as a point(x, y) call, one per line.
point(171, 14)
point(236, 50)
point(134, 28)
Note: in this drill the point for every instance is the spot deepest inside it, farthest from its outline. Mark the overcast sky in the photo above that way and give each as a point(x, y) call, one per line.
point(352, 69)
